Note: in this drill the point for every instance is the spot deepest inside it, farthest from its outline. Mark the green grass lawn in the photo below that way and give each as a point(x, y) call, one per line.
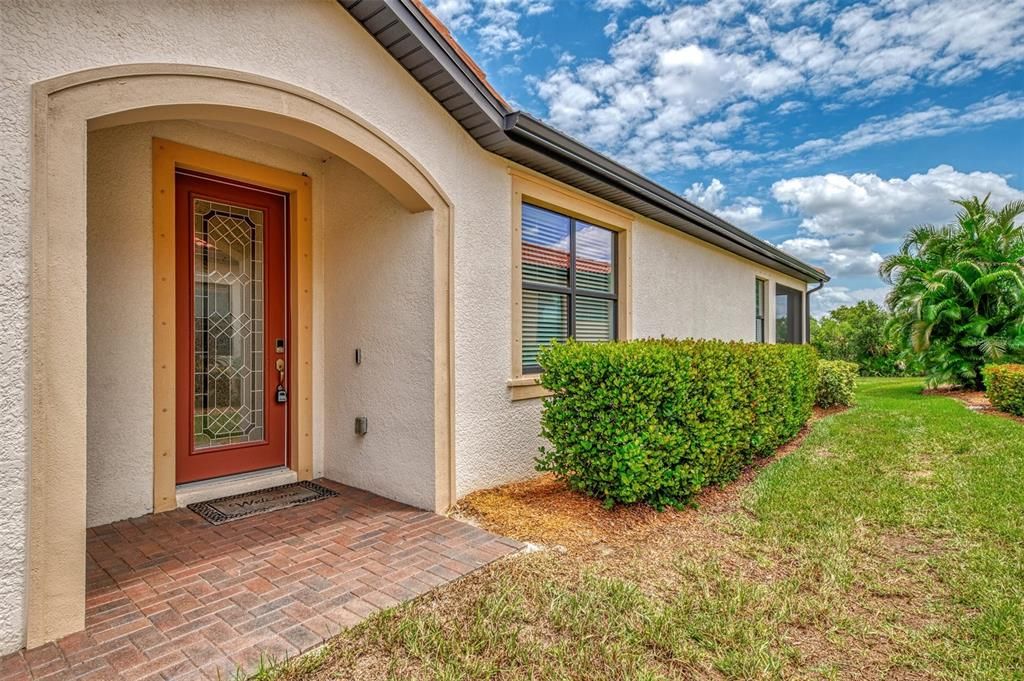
point(890, 544)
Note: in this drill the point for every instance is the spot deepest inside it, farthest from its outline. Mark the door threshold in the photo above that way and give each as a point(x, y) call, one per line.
point(215, 488)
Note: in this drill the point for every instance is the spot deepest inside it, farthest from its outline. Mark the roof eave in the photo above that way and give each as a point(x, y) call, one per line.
point(511, 134)
point(412, 13)
point(530, 130)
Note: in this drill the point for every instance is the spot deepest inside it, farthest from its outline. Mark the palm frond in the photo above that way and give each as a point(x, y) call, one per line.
point(957, 293)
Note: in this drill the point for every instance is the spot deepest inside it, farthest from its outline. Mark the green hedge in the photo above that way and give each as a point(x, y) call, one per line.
point(656, 420)
point(1004, 384)
point(836, 381)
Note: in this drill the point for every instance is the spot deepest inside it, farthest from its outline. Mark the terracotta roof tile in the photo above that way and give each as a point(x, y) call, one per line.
point(463, 55)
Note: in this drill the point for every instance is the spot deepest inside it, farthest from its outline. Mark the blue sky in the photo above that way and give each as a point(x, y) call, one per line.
point(824, 127)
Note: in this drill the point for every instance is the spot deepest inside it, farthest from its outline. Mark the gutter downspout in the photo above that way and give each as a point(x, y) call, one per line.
point(807, 307)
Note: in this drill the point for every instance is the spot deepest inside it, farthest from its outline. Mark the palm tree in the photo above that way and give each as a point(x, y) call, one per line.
point(958, 292)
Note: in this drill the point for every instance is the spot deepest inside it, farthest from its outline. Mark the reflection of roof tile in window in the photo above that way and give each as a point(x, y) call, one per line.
point(542, 255)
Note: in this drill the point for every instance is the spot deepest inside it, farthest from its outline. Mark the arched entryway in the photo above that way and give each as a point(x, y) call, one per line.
point(66, 109)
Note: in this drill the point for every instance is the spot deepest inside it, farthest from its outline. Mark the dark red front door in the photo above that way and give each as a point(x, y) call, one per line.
point(232, 321)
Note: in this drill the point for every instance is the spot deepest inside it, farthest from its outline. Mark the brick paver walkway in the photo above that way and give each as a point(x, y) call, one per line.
point(170, 596)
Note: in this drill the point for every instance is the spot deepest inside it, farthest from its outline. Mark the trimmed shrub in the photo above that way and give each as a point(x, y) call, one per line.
point(836, 380)
point(656, 420)
point(1004, 384)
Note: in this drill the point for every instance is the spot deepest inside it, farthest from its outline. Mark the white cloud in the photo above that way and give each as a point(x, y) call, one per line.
point(617, 6)
point(709, 196)
point(495, 22)
point(663, 97)
point(832, 296)
point(865, 208)
point(847, 220)
point(934, 121)
point(613, 5)
point(666, 96)
point(744, 212)
point(836, 261)
point(790, 106)
point(454, 13)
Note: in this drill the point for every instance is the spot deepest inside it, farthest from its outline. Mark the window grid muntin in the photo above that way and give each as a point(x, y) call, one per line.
point(571, 291)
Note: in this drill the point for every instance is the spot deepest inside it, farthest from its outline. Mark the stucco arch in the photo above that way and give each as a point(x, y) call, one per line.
point(64, 110)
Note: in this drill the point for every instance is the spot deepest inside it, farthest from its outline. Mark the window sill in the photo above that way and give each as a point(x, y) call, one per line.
point(527, 388)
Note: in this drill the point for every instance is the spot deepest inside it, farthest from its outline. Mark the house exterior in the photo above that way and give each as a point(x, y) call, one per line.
point(232, 229)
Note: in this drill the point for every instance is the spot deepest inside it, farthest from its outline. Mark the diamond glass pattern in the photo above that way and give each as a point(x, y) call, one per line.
point(228, 324)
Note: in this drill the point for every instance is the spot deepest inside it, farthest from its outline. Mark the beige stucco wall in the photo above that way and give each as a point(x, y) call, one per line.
point(372, 289)
point(377, 297)
point(317, 46)
point(379, 301)
point(685, 288)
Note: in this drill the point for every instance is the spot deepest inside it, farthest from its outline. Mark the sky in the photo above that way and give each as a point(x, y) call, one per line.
point(826, 128)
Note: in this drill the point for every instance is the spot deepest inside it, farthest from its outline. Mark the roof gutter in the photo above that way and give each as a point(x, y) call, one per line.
point(503, 131)
point(522, 127)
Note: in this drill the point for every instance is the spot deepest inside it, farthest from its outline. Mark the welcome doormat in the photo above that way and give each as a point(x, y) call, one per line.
point(238, 506)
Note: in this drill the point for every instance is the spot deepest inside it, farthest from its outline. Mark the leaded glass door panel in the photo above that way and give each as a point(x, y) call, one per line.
point(232, 345)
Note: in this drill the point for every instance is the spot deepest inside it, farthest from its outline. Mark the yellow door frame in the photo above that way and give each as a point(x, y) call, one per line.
point(168, 157)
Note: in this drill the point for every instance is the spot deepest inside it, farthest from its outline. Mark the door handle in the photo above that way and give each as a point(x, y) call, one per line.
point(282, 393)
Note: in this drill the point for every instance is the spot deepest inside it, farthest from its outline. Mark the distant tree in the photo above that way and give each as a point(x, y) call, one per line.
point(859, 333)
point(958, 292)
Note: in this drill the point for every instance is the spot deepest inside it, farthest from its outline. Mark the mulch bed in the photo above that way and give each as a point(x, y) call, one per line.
point(545, 510)
point(975, 400)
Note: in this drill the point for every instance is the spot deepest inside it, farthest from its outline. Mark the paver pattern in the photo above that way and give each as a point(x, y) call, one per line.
point(169, 596)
